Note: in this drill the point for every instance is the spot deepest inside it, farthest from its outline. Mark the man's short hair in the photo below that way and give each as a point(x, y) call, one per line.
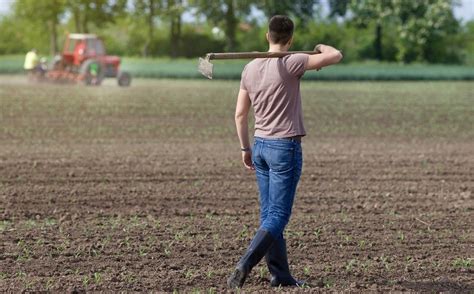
point(280, 29)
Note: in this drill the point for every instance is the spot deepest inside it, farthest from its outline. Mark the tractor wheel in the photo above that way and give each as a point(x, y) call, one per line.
point(92, 72)
point(124, 79)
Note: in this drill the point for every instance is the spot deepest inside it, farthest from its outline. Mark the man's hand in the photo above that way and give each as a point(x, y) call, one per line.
point(247, 160)
point(327, 56)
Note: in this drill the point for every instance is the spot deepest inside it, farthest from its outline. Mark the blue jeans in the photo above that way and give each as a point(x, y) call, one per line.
point(278, 164)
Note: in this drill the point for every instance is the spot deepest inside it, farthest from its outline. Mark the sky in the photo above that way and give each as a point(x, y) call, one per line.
point(465, 12)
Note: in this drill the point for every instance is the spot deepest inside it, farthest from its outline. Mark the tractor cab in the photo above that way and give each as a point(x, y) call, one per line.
point(79, 47)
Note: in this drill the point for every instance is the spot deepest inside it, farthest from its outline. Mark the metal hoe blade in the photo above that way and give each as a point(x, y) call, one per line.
point(205, 67)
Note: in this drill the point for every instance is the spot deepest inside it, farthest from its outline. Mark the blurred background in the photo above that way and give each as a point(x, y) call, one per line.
point(367, 31)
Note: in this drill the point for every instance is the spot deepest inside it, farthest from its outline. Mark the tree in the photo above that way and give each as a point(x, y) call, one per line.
point(224, 13)
point(302, 10)
point(379, 11)
point(42, 13)
point(173, 12)
point(150, 10)
point(420, 21)
point(338, 7)
point(97, 12)
point(11, 41)
point(417, 22)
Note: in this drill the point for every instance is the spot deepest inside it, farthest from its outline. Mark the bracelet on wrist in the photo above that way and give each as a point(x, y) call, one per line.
point(245, 149)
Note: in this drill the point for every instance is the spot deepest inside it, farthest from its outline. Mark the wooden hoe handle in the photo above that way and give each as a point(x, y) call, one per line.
point(245, 55)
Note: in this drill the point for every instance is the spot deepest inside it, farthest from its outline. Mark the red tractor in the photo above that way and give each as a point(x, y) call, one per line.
point(84, 60)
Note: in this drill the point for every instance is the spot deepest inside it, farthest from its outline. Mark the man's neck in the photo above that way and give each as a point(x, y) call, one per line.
point(277, 48)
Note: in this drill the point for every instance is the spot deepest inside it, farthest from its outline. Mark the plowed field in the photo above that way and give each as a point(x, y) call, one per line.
point(142, 189)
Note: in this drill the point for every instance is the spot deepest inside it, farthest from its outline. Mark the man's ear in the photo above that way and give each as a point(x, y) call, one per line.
point(268, 37)
point(290, 42)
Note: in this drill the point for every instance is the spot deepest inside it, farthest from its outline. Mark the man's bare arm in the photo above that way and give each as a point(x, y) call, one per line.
point(241, 123)
point(328, 56)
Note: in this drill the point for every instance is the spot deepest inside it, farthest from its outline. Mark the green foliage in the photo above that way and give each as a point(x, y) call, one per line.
point(302, 10)
point(225, 14)
point(252, 38)
point(342, 36)
point(11, 41)
point(468, 37)
point(42, 14)
point(424, 28)
point(93, 12)
point(420, 24)
point(389, 30)
point(202, 43)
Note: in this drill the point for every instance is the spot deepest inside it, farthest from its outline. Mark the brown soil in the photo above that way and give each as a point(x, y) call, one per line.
point(164, 216)
point(103, 189)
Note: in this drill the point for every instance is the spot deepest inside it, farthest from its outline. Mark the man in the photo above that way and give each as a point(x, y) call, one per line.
point(31, 62)
point(272, 87)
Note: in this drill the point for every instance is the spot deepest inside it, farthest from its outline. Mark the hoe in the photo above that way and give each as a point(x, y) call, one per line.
point(206, 67)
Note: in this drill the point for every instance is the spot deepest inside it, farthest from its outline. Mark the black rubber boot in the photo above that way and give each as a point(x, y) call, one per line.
point(277, 262)
point(256, 251)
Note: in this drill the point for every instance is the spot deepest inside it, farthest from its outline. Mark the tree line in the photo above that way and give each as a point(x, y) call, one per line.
point(385, 30)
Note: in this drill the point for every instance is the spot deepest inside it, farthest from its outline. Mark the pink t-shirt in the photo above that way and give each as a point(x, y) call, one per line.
point(273, 85)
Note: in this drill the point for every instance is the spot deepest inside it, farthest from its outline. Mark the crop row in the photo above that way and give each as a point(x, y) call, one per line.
point(187, 69)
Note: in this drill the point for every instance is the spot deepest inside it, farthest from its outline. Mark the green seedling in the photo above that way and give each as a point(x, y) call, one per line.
point(157, 224)
point(167, 251)
point(244, 233)
point(188, 274)
point(128, 278)
point(465, 263)
point(97, 277)
point(328, 283)
point(21, 274)
point(385, 262)
point(327, 268)
point(49, 284)
point(307, 270)
point(85, 281)
point(151, 241)
point(126, 242)
point(49, 222)
point(39, 242)
point(401, 236)
point(4, 225)
point(77, 253)
point(344, 217)
point(210, 273)
point(25, 251)
point(142, 251)
point(318, 233)
point(30, 224)
point(27, 284)
point(179, 236)
point(351, 264)
point(263, 272)
point(365, 265)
